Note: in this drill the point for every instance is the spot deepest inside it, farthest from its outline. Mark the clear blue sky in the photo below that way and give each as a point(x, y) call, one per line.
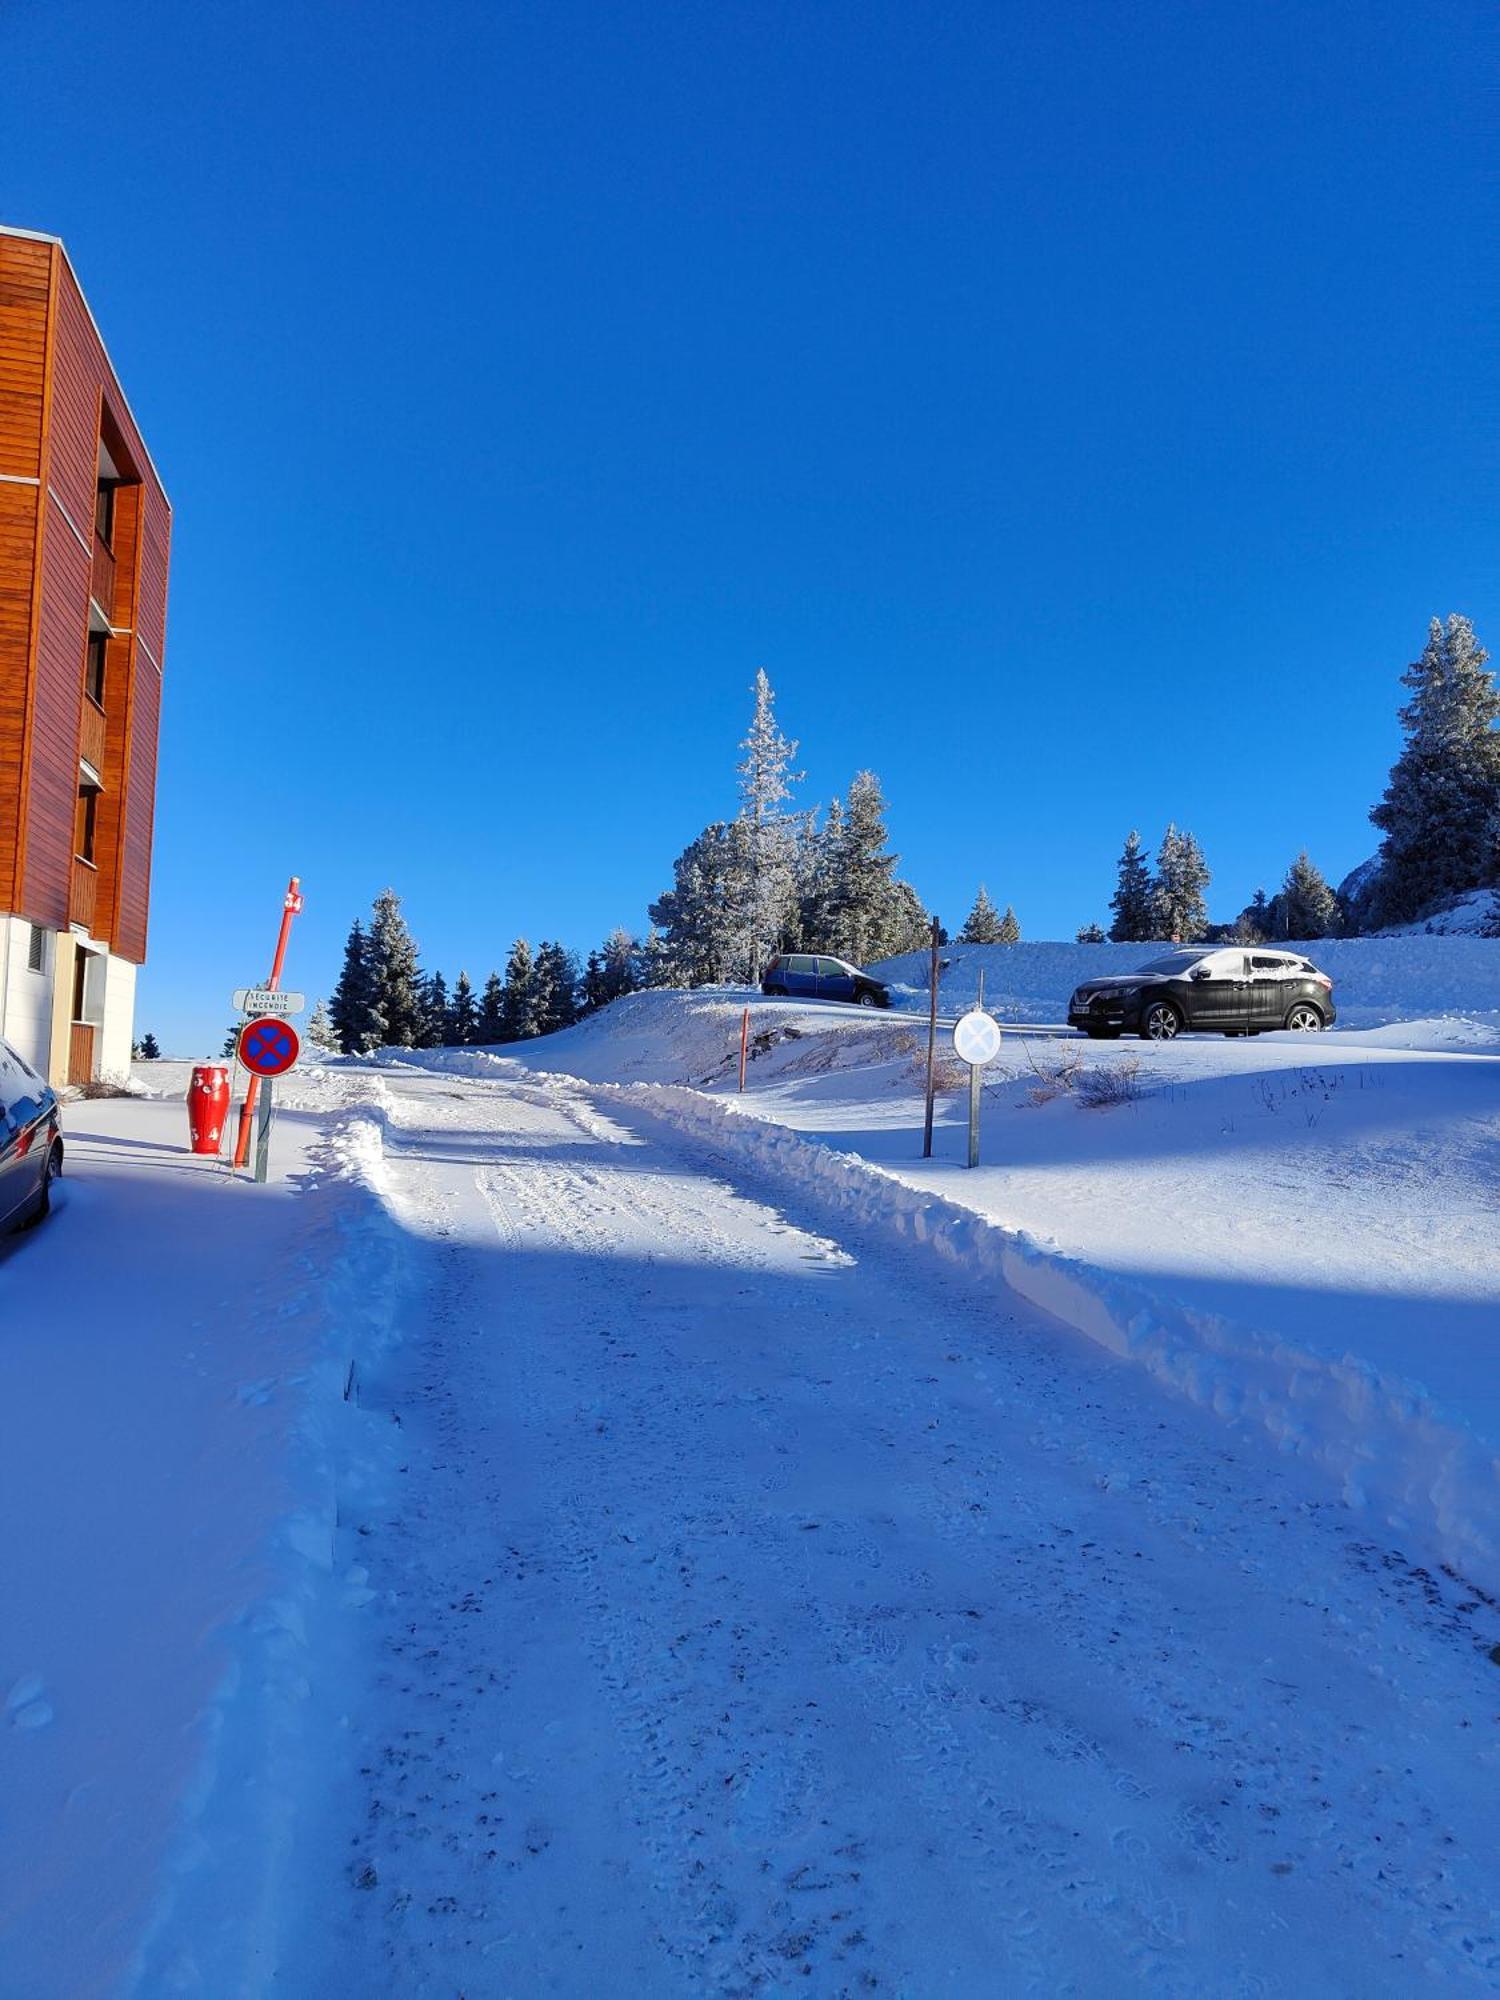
point(1079, 410)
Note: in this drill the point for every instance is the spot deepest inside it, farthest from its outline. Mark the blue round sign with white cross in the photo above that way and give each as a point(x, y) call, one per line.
point(268, 1046)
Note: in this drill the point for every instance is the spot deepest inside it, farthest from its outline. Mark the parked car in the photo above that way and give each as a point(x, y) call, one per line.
point(31, 1147)
point(1229, 991)
point(804, 977)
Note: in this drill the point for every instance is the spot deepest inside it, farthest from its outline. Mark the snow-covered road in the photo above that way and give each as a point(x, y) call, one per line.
point(746, 1611)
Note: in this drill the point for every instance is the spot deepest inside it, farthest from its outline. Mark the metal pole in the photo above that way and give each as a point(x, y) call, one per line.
point(291, 904)
point(744, 1044)
point(932, 982)
point(974, 1094)
point(263, 1136)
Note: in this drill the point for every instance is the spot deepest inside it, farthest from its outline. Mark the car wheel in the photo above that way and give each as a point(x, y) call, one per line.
point(1305, 1019)
point(866, 1000)
point(774, 992)
point(41, 1206)
point(1161, 1022)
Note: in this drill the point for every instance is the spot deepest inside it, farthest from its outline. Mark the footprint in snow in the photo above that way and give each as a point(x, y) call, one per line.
point(253, 1393)
point(26, 1705)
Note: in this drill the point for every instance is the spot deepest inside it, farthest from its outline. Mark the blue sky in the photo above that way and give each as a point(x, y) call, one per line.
point(1078, 410)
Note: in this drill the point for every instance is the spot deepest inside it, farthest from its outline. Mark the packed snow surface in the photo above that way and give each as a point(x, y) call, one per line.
point(620, 1536)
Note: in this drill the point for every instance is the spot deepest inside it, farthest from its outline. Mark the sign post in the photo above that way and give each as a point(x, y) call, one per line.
point(932, 986)
point(744, 1044)
point(268, 1048)
point(976, 1041)
point(291, 906)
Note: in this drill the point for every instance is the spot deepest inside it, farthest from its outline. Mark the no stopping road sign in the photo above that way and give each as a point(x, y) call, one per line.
point(268, 1046)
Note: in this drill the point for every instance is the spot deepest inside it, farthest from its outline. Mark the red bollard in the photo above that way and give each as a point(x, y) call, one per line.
point(208, 1106)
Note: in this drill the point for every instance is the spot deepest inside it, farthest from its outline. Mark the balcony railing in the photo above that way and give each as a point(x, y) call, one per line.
point(85, 893)
point(91, 739)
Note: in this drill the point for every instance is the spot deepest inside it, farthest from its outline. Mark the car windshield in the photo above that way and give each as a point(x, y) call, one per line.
point(1175, 961)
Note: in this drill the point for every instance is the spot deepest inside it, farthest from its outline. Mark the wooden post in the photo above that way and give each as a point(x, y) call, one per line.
point(974, 1094)
point(744, 1044)
point(932, 982)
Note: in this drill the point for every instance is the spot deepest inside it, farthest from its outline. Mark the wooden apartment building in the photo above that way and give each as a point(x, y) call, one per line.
point(84, 532)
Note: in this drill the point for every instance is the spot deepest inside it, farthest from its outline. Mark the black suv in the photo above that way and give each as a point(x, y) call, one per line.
point(1226, 991)
point(809, 978)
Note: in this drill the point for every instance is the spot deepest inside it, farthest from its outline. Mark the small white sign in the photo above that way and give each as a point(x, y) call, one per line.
point(266, 1000)
point(976, 1037)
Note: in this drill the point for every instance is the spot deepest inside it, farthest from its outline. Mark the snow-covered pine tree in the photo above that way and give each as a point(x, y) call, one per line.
point(1306, 907)
point(150, 1049)
point(1010, 929)
point(1253, 924)
point(982, 924)
point(593, 983)
point(490, 1026)
point(766, 884)
point(320, 1032)
point(700, 918)
point(433, 1032)
point(1090, 934)
point(877, 915)
point(1178, 909)
point(395, 976)
point(621, 972)
point(556, 986)
point(463, 1015)
point(351, 1008)
point(654, 957)
point(1133, 901)
point(1441, 811)
point(818, 893)
point(519, 1002)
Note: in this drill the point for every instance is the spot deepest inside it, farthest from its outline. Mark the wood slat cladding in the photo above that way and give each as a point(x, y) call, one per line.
point(58, 398)
point(25, 284)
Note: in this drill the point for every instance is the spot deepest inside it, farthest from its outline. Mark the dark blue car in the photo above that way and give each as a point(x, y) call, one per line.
point(802, 976)
point(31, 1148)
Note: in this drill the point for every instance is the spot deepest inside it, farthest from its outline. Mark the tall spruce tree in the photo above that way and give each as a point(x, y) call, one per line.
point(818, 892)
point(700, 928)
point(433, 1032)
point(350, 1008)
point(518, 1005)
point(594, 995)
point(557, 987)
point(982, 925)
point(878, 916)
point(491, 1023)
point(463, 1015)
point(1306, 907)
point(1178, 909)
point(1010, 929)
point(395, 976)
point(1441, 811)
point(621, 969)
point(320, 1029)
point(766, 848)
point(1133, 902)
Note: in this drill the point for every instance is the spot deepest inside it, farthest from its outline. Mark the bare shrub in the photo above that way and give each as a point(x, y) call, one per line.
point(1105, 1084)
point(106, 1086)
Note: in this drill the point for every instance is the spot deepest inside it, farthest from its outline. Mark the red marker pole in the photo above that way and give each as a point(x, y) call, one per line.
point(744, 1044)
point(290, 908)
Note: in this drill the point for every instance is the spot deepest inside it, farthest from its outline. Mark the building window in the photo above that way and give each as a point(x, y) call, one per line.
point(104, 512)
point(94, 671)
point(36, 950)
point(84, 820)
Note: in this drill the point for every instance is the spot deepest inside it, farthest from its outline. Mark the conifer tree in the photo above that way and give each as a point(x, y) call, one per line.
point(320, 1028)
point(1010, 929)
point(699, 917)
point(1306, 907)
point(150, 1049)
point(351, 1008)
point(557, 988)
point(1090, 934)
point(1178, 909)
point(1254, 922)
point(518, 1005)
point(1132, 901)
point(432, 1026)
point(232, 1040)
point(982, 925)
point(593, 983)
point(765, 850)
point(395, 976)
point(463, 1015)
point(818, 892)
point(877, 915)
point(491, 1023)
point(1441, 811)
point(620, 971)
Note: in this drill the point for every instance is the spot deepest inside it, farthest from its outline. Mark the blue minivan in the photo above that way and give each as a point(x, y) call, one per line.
point(802, 976)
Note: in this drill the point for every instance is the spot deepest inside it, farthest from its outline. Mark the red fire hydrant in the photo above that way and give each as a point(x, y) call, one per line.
point(208, 1106)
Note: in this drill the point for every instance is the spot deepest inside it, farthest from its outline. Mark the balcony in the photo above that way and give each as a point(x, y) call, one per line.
point(85, 893)
point(91, 738)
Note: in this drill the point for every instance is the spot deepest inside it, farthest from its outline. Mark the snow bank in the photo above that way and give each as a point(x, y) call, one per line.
point(215, 1921)
point(1376, 980)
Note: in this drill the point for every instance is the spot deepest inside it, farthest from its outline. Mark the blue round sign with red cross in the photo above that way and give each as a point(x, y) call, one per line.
point(269, 1047)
